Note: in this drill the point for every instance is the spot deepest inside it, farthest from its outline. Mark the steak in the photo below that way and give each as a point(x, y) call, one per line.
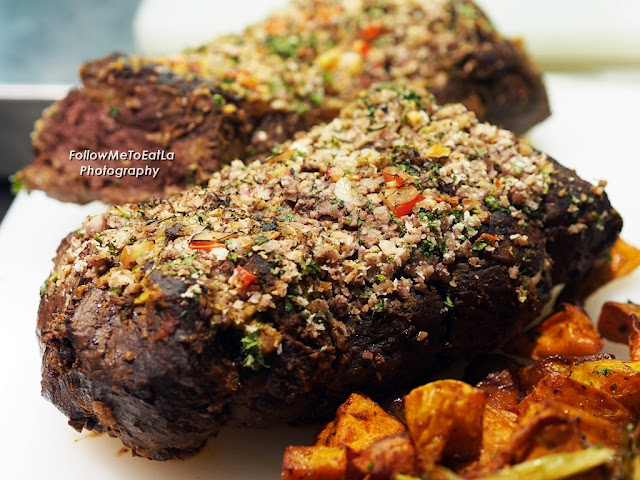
point(365, 255)
point(241, 95)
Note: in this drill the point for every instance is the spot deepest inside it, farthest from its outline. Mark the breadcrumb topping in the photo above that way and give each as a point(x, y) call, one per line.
point(322, 52)
point(370, 206)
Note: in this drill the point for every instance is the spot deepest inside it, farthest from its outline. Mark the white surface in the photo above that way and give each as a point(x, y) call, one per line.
point(572, 32)
point(167, 26)
point(557, 32)
point(594, 127)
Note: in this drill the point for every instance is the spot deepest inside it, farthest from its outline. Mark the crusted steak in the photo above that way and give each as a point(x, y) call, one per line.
point(241, 95)
point(364, 255)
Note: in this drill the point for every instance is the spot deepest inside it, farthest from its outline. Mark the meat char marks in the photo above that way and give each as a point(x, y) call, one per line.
point(362, 256)
point(241, 95)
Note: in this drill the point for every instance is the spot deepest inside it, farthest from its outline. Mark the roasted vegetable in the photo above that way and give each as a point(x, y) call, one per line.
point(445, 420)
point(388, 456)
point(497, 429)
point(622, 260)
point(566, 390)
point(556, 466)
point(568, 332)
point(359, 423)
point(616, 320)
point(317, 462)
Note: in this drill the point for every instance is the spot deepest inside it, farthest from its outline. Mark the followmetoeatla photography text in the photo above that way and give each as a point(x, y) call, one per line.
point(121, 156)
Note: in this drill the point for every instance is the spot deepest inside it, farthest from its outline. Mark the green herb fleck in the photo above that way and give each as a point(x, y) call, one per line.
point(252, 348)
point(43, 288)
point(494, 205)
point(430, 248)
point(17, 184)
point(113, 250)
point(448, 303)
point(219, 100)
point(284, 46)
point(114, 111)
point(379, 307)
point(123, 213)
point(327, 76)
point(481, 244)
point(260, 239)
point(467, 11)
point(375, 12)
point(288, 305)
point(309, 267)
point(316, 99)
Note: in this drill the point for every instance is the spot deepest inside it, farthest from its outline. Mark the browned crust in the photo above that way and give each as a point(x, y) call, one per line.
point(163, 376)
point(176, 113)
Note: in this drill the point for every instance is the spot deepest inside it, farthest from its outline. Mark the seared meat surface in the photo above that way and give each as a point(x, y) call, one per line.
point(241, 95)
point(363, 256)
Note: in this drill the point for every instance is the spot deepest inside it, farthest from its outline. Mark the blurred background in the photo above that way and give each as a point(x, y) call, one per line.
point(42, 44)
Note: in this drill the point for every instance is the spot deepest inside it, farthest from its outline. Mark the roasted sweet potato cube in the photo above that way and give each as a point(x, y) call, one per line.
point(445, 420)
point(548, 427)
point(497, 376)
point(497, 427)
point(327, 432)
point(566, 390)
point(622, 260)
point(634, 339)
point(387, 457)
point(621, 379)
point(530, 376)
point(502, 390)
point(625, 258)
point(616, 320)
point(359, 422)
point(317, 462)
point(568, 332)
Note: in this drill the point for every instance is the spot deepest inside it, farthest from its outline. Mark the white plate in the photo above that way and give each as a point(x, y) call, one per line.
point(594, 128)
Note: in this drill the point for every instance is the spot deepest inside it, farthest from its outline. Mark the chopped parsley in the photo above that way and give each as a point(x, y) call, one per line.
point(260, 239)
point(309, 267)
point(448, 303)
point(43, 288)
point(284, 46)
point(288, 217)
point(316, 99)
point(17, 184)
point(113, 250)
point(428, 248)
point(252, 348)
point(494, 204)
point(218, 99)
point(481, 244)
point(114, 111)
